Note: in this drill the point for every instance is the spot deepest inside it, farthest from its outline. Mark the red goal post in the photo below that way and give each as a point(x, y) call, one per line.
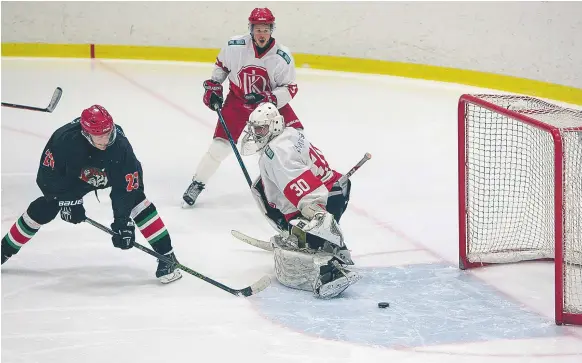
point(520, 189)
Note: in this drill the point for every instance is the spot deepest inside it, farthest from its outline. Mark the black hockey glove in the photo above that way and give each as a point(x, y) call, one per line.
point(255, 98)
point(124, 236)
point(72, 211)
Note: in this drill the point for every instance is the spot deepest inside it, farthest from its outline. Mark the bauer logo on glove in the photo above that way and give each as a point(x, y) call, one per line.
point(72, 211)
point(67, 203)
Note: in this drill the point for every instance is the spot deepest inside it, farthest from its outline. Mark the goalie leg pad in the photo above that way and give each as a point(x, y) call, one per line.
point(314, 271)
point(295, 269)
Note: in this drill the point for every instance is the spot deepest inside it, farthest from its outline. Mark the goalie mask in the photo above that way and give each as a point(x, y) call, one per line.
point(264, 124)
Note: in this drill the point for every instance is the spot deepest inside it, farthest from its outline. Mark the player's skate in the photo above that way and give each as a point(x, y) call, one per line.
point(7, 251)
point(193, 191)
point(333, 280)
point(166, 272)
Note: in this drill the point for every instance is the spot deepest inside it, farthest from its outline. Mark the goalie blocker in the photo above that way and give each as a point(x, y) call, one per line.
point(303, 199)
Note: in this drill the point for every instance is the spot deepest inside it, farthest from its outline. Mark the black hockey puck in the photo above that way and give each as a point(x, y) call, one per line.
point(383, 305)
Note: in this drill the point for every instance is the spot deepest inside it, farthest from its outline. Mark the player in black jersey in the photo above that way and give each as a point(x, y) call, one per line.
point(85, 155)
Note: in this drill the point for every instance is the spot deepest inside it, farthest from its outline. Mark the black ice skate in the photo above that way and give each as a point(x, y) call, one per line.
point(7, 251)
point(168, 272)
point(193, 191)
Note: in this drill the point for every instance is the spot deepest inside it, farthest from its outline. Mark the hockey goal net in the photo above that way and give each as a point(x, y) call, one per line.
point(520, 189)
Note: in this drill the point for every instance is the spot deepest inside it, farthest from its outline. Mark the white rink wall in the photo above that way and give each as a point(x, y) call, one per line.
point(535, 40)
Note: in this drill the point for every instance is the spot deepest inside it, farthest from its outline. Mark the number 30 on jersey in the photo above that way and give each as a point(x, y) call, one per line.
point(300, 187)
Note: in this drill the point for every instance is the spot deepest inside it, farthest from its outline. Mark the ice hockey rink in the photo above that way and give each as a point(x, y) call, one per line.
point(70, 296)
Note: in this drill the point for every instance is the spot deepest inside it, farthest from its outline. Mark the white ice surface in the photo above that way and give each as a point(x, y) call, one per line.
point(69, 296)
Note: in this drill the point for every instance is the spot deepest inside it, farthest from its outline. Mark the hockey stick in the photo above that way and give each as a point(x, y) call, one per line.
point(264, 245)
point(232, 143)
point(347, 175)
point(267, 246)
point(50, 108)
point(253, 289)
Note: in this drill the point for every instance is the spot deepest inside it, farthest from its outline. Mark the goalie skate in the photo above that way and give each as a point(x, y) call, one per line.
point(338, 284)
point(336, 287)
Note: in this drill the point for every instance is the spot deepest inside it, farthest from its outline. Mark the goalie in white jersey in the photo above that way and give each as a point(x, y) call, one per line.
point(258, 69)
point(304, 199)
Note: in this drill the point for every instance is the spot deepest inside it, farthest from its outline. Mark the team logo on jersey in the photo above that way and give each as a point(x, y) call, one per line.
point(254, 79)
point(269, 152)
point(94, 176)
point(49, 160)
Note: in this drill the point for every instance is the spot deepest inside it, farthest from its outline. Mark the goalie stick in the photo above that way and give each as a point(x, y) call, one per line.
point(50, 108)
point(362, 161)
point(266, 245)
point(253, 289)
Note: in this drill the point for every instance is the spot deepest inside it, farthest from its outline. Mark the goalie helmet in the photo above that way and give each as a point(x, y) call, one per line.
point(96, 121)
point(264, 124)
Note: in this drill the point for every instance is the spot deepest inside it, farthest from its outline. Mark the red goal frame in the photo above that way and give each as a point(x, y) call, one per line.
point(561, 317)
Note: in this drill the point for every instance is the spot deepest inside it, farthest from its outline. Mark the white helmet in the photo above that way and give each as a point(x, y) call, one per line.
point(264, 124)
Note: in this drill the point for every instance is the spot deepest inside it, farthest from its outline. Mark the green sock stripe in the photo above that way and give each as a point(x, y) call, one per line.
point(29, 231)
point(146, 219)
point(158, 237)
point(12, 243)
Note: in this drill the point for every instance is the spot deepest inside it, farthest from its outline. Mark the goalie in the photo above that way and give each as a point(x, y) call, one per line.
point(303, 199)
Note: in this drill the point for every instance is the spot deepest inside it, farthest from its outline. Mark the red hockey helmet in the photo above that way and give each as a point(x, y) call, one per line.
point(261, 16)
point(96, 121)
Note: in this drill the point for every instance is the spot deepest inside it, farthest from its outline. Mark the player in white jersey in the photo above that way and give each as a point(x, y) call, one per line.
point(304, 199)
point(258, 69)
